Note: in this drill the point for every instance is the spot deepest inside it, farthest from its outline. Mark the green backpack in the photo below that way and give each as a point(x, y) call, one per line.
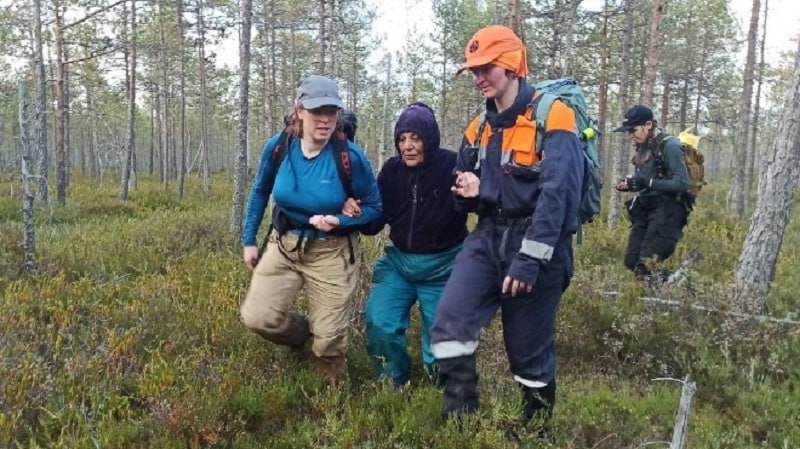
point(568, 91)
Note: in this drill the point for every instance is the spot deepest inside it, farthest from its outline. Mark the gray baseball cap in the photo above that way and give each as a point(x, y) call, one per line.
point(317, 91)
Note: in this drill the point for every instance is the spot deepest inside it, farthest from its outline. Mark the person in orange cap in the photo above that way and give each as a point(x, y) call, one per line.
point(519, 257)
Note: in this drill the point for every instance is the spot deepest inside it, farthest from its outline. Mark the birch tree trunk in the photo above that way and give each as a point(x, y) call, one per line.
point(28, 225)
point(240, 173)
point(131, 145)
point(41, 105)
point(756, 268)
point(737, 198)
point(620, 156)
point(652, 54)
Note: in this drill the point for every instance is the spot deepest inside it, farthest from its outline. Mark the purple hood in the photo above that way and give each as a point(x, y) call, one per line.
point(418, 118)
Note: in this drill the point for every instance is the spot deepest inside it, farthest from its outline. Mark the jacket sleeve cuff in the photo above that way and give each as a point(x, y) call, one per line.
point(524, 268)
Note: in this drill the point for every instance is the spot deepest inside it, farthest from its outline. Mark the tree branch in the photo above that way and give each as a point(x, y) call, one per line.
point(92, 14)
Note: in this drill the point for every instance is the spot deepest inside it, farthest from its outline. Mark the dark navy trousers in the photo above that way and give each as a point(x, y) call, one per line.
point(472, 297)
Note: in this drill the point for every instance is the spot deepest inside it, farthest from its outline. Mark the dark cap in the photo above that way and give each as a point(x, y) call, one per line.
point(635, 116)
point(317, 91)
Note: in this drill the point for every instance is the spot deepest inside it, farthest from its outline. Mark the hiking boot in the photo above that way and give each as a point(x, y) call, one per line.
point(333, 370)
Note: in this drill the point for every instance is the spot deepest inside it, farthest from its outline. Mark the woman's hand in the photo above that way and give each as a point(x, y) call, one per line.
point(250, 257)
point(467, 185)
point(352, 208)
point(325, 223)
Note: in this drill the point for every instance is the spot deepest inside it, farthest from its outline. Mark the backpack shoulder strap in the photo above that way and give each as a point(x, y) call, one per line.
point(281, 149)
point(540, 109)
point(658, 154)
point(341, 156)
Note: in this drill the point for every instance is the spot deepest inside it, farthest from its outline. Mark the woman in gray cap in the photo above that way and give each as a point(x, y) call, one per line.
point(310, 242)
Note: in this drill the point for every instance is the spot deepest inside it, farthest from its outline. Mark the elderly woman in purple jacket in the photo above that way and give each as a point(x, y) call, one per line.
point(426, 233)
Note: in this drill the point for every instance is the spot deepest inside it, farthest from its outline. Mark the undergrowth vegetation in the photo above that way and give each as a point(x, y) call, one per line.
point(128, 337)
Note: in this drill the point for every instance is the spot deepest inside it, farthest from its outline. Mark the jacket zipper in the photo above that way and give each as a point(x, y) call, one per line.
point(413, 208)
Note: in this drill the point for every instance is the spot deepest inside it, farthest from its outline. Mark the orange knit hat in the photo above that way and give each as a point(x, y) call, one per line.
point(497, 45)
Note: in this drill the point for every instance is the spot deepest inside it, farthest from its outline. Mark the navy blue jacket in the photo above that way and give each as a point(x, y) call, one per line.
point(417, 202)
point(548, 191)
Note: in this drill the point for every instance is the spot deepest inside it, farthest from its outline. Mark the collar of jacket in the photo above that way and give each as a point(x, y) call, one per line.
point(508, 118)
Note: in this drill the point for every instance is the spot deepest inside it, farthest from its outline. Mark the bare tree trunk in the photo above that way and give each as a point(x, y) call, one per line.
point(163, 123)
point(513, 15)
point(569, 34)
point(620, 156)
point(603, 93)
point(94, 169)
point(756, 268)
point(665, 102)
point(332, 45)
point(737, 198)
point(322, 37)
point(182, 45)
point(240, 173)
point(272, 91)
point(61, 67)
point(752, 148)
point(67, 147)
point(41, 106)
point(652, 54)
point(384, 114)
point(201, 31)
point(131, 144)
point(28, 225)
point(152, 135)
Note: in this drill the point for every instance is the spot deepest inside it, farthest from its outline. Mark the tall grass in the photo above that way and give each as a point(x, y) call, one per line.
point(128, 337)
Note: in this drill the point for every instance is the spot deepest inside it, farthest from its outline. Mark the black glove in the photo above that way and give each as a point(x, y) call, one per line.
point(637, 183)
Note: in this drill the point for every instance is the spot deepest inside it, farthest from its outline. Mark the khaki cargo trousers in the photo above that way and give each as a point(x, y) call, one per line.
point(322, 265)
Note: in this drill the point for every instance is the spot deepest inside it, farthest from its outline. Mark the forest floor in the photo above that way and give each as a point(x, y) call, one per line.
point(128, 336)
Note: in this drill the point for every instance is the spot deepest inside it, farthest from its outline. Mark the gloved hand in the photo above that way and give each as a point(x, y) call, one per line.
point(637, 183)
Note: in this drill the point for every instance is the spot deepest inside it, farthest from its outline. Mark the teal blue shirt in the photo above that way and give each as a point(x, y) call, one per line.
point(305, 186)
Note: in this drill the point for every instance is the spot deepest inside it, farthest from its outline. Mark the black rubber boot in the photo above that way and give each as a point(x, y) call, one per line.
point(460, 378)
point(539, 403)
